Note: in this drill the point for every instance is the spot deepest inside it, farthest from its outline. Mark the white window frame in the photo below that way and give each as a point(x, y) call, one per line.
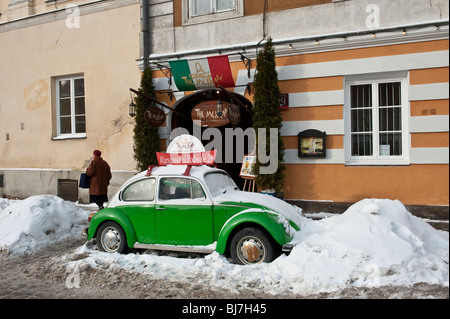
point(189, 18)
point(376, 159)
point(72, 108)
point(212, 8)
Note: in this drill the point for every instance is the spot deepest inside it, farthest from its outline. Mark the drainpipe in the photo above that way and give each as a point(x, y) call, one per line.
point(145, 31)
point(264, 21)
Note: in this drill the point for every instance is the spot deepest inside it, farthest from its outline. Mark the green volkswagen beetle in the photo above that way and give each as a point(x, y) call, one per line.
point(201, 211)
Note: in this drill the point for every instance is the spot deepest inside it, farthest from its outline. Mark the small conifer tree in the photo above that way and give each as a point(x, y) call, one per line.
point(266, 114)
point(146, 137)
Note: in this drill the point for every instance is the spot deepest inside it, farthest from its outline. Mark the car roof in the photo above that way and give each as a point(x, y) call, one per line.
point(178, 170)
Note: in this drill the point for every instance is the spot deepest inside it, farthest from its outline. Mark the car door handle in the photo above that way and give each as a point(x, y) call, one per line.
point(161, 208)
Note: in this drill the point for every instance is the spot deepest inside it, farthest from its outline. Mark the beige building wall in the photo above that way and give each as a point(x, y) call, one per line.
point(102, 46)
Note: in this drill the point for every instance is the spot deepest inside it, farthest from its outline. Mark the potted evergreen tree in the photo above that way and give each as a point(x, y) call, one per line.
point(266, 114)
point(146, 137)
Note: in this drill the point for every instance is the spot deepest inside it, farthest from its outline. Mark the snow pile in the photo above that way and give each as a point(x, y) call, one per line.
point(37, 222)
point(374, 243)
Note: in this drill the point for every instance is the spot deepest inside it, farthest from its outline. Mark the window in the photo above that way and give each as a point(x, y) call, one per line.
point(219, 183)
point(197, 191)
point(70, 107)
point(180, 188)
point(143, 190)
point(206, 11)
point(376, 114)
point(203, 7)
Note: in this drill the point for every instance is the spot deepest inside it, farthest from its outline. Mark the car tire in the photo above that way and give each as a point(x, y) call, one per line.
point(111, 238)
point(251, 246)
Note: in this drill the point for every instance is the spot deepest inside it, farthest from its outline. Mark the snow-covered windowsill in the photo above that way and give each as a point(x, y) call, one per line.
point(69, 136)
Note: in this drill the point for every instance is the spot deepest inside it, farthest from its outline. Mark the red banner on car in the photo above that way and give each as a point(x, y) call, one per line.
point(200, 158)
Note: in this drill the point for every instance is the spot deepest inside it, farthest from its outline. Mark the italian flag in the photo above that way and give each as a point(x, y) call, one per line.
point(200, 74)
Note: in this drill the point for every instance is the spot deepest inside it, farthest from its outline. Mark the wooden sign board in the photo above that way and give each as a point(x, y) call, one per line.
point(234, 114)
point(205, 114)
point(155, 116)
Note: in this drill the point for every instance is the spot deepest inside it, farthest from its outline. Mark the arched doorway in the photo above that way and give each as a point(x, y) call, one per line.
point(231, 163)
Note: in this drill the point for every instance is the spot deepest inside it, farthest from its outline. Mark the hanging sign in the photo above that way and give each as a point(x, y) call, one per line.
point(199, 74)
point(234, 114)
point(205, 114)
point(154, 116)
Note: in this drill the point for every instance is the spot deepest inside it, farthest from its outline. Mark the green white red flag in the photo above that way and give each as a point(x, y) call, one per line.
point(200, 74)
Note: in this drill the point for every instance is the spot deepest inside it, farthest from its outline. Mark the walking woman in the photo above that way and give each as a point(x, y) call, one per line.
point(100, 174)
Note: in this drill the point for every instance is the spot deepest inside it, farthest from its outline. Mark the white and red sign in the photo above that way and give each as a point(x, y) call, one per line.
point(186, 150)
point(200, 158)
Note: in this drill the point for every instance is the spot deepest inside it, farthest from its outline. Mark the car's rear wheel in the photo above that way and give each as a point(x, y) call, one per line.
point(251, 246)
point(111, 238)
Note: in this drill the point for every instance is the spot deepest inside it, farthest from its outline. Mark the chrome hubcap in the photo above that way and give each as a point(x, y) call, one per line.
point(111, 239)
point(251, 250)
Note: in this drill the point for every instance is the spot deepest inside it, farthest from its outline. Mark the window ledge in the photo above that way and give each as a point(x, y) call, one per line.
point(69, 137)
point(377, 162)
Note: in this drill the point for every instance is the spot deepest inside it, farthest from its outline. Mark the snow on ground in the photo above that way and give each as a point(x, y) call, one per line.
point(37, 222)
point(375, 242)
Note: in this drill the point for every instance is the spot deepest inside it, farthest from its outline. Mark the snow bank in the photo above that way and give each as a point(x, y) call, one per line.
point(374, 243)
point(37, 222)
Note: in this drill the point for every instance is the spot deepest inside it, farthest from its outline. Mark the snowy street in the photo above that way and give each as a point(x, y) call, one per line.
point(376, 249)
point(42, 275)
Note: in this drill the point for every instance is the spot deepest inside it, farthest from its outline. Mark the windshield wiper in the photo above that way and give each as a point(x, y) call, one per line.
point(234, 188)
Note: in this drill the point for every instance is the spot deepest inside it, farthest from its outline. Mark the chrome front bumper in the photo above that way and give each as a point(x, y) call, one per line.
point(287, 248)
point(85, 232)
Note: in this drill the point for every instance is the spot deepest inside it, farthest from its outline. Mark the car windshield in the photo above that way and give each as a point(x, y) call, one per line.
point(219, 183)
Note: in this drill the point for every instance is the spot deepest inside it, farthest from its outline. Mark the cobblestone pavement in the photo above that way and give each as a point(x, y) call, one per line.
point(40, 275)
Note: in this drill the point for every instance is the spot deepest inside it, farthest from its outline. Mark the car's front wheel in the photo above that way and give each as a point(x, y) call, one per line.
point(111, 238)
point(251, 246)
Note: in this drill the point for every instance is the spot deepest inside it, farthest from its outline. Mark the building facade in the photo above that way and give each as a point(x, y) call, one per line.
point(65, 70)
point(371, 75)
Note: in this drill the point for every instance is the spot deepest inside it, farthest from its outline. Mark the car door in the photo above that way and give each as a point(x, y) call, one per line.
point(138, 201)
point(183, 213)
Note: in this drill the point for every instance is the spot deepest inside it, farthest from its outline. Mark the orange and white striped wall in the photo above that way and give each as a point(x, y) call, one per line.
point(317, 101)
point(316, 84)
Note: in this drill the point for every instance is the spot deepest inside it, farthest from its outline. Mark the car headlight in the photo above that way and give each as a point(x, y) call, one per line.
point(286, 225)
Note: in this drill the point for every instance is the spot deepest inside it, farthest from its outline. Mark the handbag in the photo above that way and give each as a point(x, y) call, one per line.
point(84, 180)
